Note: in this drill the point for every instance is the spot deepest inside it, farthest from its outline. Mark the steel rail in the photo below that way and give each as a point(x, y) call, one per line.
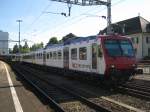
point(81, 98)
point(138, 87)
point(54, 104)
point(134, 92)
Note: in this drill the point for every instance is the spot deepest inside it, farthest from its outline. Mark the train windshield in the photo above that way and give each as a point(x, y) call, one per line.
point(119, 48)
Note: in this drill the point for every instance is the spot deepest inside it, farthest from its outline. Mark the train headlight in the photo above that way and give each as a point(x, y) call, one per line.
point(112, 66)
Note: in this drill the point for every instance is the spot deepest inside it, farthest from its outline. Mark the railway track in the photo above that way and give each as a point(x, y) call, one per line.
point(55, 93)
point(79, 93)
point(134, 89)
point(131, 88)
point(138, 90)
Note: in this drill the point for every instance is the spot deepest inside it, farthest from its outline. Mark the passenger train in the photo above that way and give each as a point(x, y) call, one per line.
point(106, 57)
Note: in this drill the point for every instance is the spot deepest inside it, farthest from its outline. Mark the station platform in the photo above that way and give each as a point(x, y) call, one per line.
point(16, 96)
point(143, 77)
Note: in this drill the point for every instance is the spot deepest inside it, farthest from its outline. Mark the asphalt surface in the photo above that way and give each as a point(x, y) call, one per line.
point(24, 100)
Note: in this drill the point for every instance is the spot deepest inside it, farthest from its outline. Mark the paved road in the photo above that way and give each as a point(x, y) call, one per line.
point(16, 96)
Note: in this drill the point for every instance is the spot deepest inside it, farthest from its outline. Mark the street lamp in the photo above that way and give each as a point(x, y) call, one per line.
point(19, 21)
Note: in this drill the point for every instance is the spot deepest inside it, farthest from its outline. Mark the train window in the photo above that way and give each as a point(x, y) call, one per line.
point(50, 55)
point(126, 48)
point(39, 55)
point(47, 56)
point(82, 53)
point(74, 54)
point(54, 55)
point(59, 54)
point(112, 48)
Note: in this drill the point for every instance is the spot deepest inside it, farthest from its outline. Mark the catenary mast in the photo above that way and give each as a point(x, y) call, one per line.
point(90, 3)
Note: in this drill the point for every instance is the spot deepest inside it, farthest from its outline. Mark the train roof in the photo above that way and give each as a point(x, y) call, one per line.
point(79, 39)
point(53, 46)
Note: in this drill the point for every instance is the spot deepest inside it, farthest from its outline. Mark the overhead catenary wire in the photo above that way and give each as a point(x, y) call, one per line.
point(83, 17)
point(64, 21)
point(38, 17)
point(75, 19)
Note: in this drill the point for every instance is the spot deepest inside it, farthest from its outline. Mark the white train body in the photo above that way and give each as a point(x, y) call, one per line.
point(54, 56)
point(85, 62)
point(102, 55)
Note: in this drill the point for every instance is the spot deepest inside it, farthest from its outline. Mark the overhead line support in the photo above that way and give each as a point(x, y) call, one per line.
point(89, 3)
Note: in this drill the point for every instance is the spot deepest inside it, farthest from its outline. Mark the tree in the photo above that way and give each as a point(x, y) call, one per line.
point(53, 40)
point(41, 45)
point(25, 48)
point(68, 36)
point(10, 51)
point(34, 47)
point(16, 49)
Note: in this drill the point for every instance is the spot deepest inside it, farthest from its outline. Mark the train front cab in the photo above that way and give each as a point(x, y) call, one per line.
point(120, 62)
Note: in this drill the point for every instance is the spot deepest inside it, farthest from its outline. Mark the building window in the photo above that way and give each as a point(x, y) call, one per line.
point(147, 40)
point(82, 53)
point(59, 54)
point(74, 54)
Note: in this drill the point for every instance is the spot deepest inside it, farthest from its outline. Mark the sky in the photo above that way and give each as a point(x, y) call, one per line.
point(39, 26)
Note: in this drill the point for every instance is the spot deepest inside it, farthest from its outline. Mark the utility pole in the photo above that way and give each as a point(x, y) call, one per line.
point(109, 30)
point(90, 3)
point(19, 21)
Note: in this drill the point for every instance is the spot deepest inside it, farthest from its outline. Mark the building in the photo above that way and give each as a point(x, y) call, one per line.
point(4, 43)
point(138, 29)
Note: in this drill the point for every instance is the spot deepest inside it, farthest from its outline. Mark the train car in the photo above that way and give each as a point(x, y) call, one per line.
point(85, 55)
point(28, 57)
point(54, 56)
point(39, 57)
point(6, 57)
point(16, 57)
point(119, 57)
point(107, 57)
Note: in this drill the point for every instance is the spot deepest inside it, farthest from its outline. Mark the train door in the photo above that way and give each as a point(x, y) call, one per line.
point(44, 58)
point(94, 56)
point(66, 57)
point(100, 60)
